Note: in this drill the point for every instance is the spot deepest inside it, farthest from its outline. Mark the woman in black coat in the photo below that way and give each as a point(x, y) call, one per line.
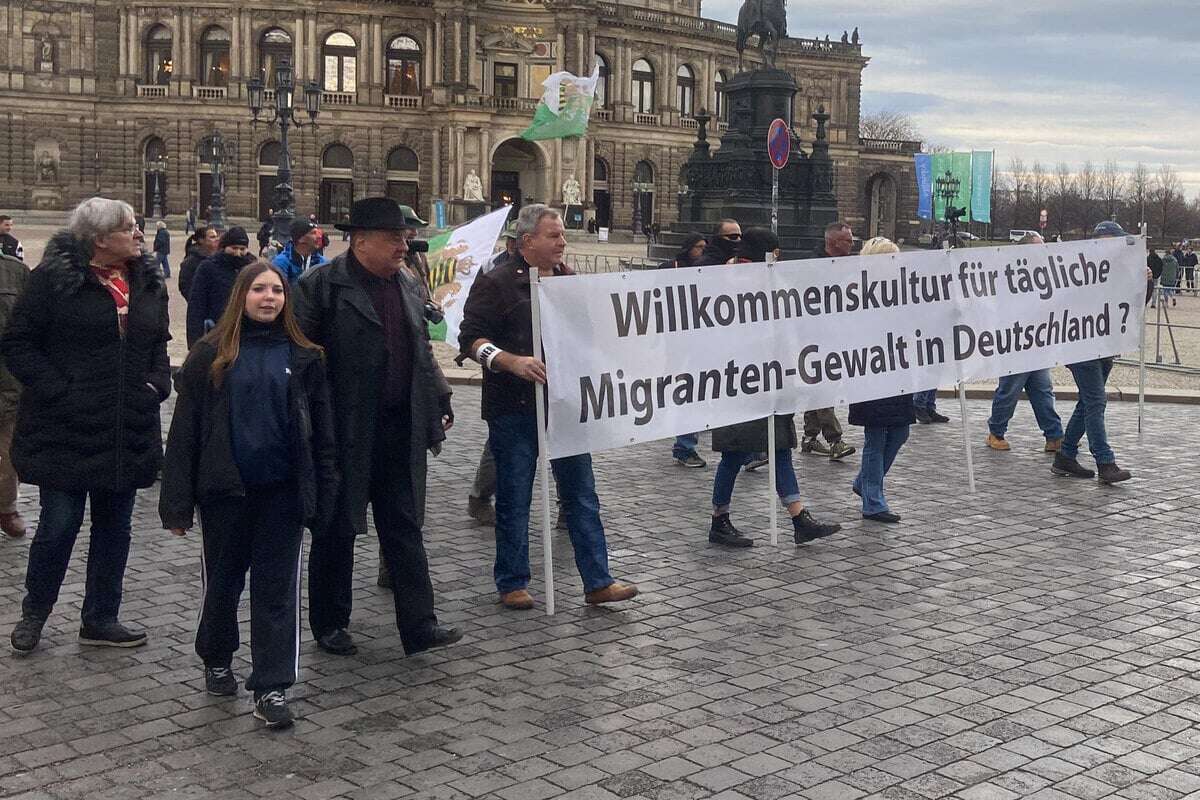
point(885, 430)
point(739, 443)
point(252, 445)
point(88, 342)
point(210, 288)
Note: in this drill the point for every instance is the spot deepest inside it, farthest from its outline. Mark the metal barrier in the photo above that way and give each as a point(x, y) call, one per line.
point(589, 264)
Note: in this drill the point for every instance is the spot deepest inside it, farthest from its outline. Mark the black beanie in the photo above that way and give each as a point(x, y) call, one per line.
point(234, 236)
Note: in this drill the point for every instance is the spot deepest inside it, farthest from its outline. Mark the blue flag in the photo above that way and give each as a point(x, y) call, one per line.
point(924, 167)
point(981, 186)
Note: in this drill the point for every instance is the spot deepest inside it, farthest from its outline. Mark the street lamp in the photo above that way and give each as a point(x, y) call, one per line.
point(215, 150)
point(284, 113)
point(947, 188)
point(157, 165)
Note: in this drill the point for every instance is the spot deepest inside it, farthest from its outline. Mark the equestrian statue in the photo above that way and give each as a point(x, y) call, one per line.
point(768, 19)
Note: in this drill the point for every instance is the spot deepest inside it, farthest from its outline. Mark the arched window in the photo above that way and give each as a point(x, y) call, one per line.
point(214, 57)
point(403, 66)
point(601, 100)
point(155, 150)
point(643, 173)
point(402, 159)
point(204, 151)
point(643, 86)
point(599, 170)
point(722, 108)
point(159, 65)
point(268, 154)
point(337, 156)
point(685, 90)
point(340, 59)
point(274, 46)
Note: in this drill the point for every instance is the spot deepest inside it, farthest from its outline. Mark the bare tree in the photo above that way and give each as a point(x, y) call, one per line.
point(1039, 186)
point(1063, 200)
point(1166, 194)
point(1087, 183)
point(1019, 175)
point(1112, 189)
point(885, 124)
point(1139, 190)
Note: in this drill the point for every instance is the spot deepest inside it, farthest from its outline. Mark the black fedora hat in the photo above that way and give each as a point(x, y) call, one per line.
point(375, 214)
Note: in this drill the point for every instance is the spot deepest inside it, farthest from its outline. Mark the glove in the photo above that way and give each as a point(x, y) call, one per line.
point(444, 404)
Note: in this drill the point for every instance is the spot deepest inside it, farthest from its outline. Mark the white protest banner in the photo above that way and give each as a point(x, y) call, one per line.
point(637, 356)
point(455, 258)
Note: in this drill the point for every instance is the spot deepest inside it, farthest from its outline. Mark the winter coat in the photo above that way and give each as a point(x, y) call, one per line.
point(13, 277)
point(715, 254)
point(199, 466)
point(1170, 271)
point(335, 311)
point(884, 412)
point(187, 270)
point(210, 290)
point(292, 265)
point(162, 242)
point(751, 436)
point(264, 235)
point(88, 417)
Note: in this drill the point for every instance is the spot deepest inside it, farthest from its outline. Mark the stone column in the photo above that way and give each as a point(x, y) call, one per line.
point(485, 161)
point(124, 42)
point(365, 73)
point(456, 67)
point(471, 53)
point(377, 61)
point(427, 76)
point(560, 55)
point(438, 72)
point(135, 43)
point(555, 196)
point(316, 66)
point(435, 166)
point(457, 162)
point(299, 46)
point(583, 61)
point(236, 46)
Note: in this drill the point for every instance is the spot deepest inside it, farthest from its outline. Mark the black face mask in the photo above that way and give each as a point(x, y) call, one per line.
point(727, 246)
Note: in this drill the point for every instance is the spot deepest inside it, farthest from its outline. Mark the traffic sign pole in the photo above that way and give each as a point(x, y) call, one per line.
point(779, 148)
point(775, 201)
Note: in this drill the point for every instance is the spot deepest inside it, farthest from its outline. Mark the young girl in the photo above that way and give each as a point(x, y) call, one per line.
point(251, 444)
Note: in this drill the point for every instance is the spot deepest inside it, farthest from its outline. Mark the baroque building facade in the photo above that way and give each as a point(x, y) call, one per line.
point(119, 97)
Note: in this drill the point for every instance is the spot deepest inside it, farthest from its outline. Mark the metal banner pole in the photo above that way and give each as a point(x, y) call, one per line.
point(1142, 355)
point(773, 509)
point(962, 410)
point(539, 400)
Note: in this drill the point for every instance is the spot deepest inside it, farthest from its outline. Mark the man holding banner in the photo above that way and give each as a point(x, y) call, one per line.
point(497, 331)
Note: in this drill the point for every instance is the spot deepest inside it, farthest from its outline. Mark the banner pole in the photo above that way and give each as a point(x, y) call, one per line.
point(539, 402)
point(1142, 355)
point(962, 410)
point(773, 510)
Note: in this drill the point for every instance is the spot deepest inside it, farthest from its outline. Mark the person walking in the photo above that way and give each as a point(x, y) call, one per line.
point(14, 275)
point(214, 281)
point(496, 331)
point(838, 243)
point(162, 247)
point(88, 341)
point(1169, 279)
point(387, 414)
point(300, 254)
point(204, 242)
point(684, 448)
point(189, 221)
point(1188, 265)
point(738, 445)
point(252, 445)
point(9, 244)
point(886, 424)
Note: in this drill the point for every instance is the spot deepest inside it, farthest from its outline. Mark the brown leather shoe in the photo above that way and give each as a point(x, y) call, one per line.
point(12, 525)
point(517, 599)
point(613, 593)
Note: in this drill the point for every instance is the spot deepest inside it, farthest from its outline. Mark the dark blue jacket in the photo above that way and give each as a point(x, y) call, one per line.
point(258, 404)
point(210, 290)
point(884, 412)
point(291, 264)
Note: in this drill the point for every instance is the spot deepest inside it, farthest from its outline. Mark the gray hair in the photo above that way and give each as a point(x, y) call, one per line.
point(1032, 238)
point(531, 216)
point(878, 246)
point(100, 216)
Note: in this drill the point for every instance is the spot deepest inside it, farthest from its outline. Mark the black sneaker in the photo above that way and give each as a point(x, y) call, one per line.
point(339, 642)
point(935, 417)
point(220, 682)
point(111, 634)
point(26, 634)
point(839, 450)
point(722, 532)
point(1064, 465)
point(922, 415)
point(272, 708)
point(692, 461)
point(1111, 473)
point(807, 529)
point(759, 461)
point(813, 445)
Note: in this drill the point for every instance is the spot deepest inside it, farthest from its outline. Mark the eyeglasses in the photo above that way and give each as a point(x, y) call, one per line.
point(733, 237)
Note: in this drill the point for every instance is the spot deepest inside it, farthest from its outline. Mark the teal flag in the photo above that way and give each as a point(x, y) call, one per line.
point(981, 185)
point(958, 165)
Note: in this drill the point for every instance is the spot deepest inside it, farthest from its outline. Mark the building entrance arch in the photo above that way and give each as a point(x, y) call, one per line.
point(518, 174)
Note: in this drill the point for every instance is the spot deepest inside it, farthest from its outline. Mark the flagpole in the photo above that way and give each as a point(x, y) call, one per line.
point(539, 398)
point(772, 490)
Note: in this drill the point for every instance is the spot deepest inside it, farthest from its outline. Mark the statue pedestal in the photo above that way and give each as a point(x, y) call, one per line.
point(573, 216)
point(466, 210)
point(45, 198)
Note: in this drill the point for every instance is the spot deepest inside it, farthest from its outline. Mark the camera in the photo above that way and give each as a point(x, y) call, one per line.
point(955, 213)
point(433, 313)
point(418, 246)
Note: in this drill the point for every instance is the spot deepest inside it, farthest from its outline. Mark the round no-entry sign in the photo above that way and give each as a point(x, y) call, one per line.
point(779, 143)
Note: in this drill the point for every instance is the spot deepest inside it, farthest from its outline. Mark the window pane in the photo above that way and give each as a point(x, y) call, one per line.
point(339, 39)
point(349, 73)
point(331, 73)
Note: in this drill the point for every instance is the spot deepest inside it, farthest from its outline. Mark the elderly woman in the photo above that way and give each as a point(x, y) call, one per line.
point(88, 342)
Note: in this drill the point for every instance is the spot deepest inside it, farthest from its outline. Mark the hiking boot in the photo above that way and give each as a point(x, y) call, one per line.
point(839, 450)
point(997, 442)
point(481, 510)
point(692, 461)
point(922, 415)
point(517, 599)
point(220, 682)
point(1069, 466)
point(759, 461)
point(615, 592)
point(1111, 473)
point(272, 708)
point(883, 516)
point(12, 526)
point(935, 417)
point(110, 634)
point(26, 634)
point(813, 445)
point(722, 532)
point(1053, 445)
point(806, 529)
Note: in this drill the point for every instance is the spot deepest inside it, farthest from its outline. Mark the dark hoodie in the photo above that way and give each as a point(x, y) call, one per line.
point(210, 292)
point(717, 251)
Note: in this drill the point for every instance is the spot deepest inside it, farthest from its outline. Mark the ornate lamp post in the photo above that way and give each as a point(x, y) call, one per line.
point(215, 151)
point(157, 165)
point(946, 187)
point(284, 113)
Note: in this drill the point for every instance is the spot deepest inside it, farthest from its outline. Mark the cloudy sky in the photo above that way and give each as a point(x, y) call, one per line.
point(1056, 80)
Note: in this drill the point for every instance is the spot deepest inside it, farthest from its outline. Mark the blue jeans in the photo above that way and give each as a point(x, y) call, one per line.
point(926, 399)
point(1088, 417)
point(731, 464)
point(166, 267)
point(685, 445)
point(50, 553)
point(881, 443)
point(513, 440)
point(1040, 391)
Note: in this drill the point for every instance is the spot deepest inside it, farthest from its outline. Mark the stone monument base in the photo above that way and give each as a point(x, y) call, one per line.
point(45, 198)
point(466, 210)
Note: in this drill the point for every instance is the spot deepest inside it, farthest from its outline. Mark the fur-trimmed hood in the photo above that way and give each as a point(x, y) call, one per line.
point(66, 262)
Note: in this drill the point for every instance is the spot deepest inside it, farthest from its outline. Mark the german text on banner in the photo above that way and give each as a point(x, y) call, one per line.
point(637, 356)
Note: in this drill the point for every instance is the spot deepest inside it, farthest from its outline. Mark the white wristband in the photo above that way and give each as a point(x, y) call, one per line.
point(487, 353)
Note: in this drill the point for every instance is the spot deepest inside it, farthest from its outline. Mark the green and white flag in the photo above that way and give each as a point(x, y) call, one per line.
point(565, 106)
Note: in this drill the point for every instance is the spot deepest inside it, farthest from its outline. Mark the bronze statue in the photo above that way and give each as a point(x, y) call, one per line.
point(768, 19)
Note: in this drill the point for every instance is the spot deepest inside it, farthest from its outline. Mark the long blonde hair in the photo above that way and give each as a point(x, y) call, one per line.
point(227, 333)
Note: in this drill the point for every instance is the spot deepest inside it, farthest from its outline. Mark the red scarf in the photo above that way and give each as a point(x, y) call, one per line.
point(113, 279)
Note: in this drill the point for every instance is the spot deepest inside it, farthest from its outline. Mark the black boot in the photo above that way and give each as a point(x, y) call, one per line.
point(722, 532)
point(1064, 465)
point(806, 529)
point(922, 415)
point(1111, 473)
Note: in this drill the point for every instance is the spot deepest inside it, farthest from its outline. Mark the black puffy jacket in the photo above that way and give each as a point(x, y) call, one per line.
point(885, 412)
point(88, 416)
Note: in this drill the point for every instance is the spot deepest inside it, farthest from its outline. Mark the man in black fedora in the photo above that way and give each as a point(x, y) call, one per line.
point(388, 412)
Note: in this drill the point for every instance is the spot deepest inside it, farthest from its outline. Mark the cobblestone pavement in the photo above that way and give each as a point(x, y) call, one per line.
point(1036, 639)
